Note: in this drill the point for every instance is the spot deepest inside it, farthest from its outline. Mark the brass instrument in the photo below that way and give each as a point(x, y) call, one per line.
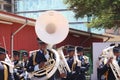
point(108, 53)
point(63, 65)
point(76, 60)
point(48, 28)
point(9, 63)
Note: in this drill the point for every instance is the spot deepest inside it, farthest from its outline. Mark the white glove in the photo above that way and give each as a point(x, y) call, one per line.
point(79, 63)
point(36, 67)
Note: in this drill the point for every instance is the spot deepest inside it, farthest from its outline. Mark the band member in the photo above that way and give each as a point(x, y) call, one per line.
point(70, 61)
point(101, 62)
point(18, 67)
point(25, 59)
point(16, 57)
point(84, 63)
point(4, 68)
point(39, 58)
point(24, 62)
point(107, 69)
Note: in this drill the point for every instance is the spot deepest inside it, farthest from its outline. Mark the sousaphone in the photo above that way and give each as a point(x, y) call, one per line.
point(52, 28)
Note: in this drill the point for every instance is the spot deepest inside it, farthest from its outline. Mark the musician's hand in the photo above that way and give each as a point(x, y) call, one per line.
point(79, 63)
point(42, 64)
point(63, 75)
point(110, 61)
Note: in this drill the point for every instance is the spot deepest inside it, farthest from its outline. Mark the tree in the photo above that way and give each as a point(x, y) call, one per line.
point(105, 13)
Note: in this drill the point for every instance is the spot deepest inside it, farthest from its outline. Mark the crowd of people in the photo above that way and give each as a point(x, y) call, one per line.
point(78, 65)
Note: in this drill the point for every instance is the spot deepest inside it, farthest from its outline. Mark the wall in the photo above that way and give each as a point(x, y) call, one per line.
point(82, 40)
point(25, 39)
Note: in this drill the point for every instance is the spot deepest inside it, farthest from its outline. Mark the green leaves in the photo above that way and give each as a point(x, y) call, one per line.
point(106, 12)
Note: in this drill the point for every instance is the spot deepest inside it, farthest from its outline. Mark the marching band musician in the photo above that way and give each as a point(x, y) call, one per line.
point(25, 59)
point(107, 69)
point(70, 61)
point(4, 68)
point(84, 63)
point(17, 65)
point(101, 62)
point(16, 57)
point(39, 58)
point(25, 74)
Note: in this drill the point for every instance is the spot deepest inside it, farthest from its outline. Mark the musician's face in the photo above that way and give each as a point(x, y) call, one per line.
point(117, 54)
point(43, 46)
point(80, 53)
point(25, 58)
point(16, 57)
point(2, 57)
point(71, 54)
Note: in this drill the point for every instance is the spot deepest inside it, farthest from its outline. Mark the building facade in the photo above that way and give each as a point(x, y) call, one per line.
point(6, 5)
